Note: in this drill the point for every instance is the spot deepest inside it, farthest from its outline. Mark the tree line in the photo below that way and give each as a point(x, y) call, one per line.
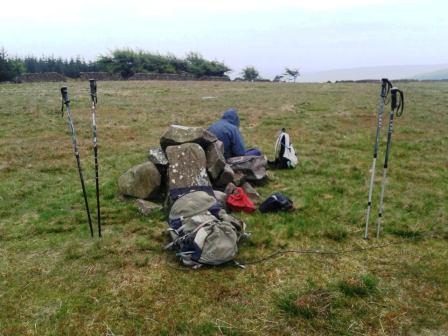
point(127, 62)
point(124, 62)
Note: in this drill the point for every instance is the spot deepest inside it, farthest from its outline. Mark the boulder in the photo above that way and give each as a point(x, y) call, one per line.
point(146, 207)
point(225, 178)
point(140, 181)
point(187, 166)
point(215, 159)
point(177, 135)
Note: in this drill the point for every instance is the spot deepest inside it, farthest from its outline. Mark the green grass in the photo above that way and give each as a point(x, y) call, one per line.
point(55, 279)
point(363, 286)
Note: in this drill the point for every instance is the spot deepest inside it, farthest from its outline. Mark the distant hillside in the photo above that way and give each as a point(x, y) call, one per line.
point(433, 75)
point(391, 72)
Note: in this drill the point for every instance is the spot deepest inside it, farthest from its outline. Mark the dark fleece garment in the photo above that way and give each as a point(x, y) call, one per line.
point(226, 130)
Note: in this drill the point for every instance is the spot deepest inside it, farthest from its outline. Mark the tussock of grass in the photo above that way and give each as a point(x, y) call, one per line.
point(337, 233)
point(141, 261)
point(144, 244)
point(360, 287)
point(411, 234)
point(312, 304)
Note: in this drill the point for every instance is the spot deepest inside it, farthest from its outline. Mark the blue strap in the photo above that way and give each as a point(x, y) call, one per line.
point(177, 193)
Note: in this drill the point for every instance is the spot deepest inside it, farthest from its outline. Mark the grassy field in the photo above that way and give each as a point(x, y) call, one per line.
point(56, 280)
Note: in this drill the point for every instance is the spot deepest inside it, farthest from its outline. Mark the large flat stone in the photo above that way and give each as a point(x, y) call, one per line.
point(147, 207)
point(187, 166)
point(177, 135)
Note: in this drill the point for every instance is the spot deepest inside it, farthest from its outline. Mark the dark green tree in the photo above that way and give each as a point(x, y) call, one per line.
point(249, 73)
point(126, 62)
point(199, 66)
point(292, 74)
point(9, 68)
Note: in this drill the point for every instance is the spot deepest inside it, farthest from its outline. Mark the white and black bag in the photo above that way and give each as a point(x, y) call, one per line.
point(285, 155)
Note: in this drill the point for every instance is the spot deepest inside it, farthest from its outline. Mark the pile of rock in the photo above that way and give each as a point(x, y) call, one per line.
point(191, 158)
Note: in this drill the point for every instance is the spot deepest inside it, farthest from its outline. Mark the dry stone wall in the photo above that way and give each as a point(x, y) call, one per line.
point(105, 76)
point(159, 76)
point(41, 77)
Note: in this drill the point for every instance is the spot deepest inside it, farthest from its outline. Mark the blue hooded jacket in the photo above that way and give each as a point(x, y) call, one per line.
point(226, 130)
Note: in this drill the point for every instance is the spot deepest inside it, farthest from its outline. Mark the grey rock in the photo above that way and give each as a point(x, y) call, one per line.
point(215, 159)
point(226, 177)
point(187, 166)
point(146, 207)
point(158, 157)
point(221, 198)
point(230, 189)
point(177, 135)
point(140, 181)
point(251, 192)
point(239, 178)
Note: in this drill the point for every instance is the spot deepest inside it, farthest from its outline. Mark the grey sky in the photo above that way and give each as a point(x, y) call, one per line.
point(271, 34)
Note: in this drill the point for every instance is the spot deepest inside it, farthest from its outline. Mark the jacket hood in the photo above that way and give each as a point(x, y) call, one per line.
point(232, 117)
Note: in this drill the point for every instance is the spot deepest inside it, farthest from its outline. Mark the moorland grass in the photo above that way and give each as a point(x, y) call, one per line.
point(55, 279)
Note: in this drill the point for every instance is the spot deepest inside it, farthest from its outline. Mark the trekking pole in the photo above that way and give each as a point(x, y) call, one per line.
point(95, 150)
point(66, 102)
point(397, 105)
point(385, 88)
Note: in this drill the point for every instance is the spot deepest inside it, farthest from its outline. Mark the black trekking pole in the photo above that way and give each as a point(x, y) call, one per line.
point(66, 102)
point(385, 88)
point(397, 106)
point(95, 150)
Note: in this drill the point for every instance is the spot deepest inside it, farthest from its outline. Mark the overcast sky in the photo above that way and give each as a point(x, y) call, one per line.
point(312, 35)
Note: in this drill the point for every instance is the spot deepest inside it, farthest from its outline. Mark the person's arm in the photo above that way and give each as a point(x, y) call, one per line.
point(237, 143)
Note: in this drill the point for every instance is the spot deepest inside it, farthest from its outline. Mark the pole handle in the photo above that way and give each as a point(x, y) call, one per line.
point(397, 101)
point(386, 85)
point(64, 94)
point(93, 90)
point(65, 99)
point(393, 101)
point(400, 107)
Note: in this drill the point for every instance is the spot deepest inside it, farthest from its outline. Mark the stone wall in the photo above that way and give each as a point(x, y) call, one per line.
point(215, 78)
point(41, 77)
point(176, 77)
point(105, 76)
point(159, 76)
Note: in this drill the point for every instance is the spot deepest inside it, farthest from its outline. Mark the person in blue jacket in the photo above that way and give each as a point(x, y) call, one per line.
point(227, 130)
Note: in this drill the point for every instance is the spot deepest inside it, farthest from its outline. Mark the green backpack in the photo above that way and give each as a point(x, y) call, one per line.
point(202, 232)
